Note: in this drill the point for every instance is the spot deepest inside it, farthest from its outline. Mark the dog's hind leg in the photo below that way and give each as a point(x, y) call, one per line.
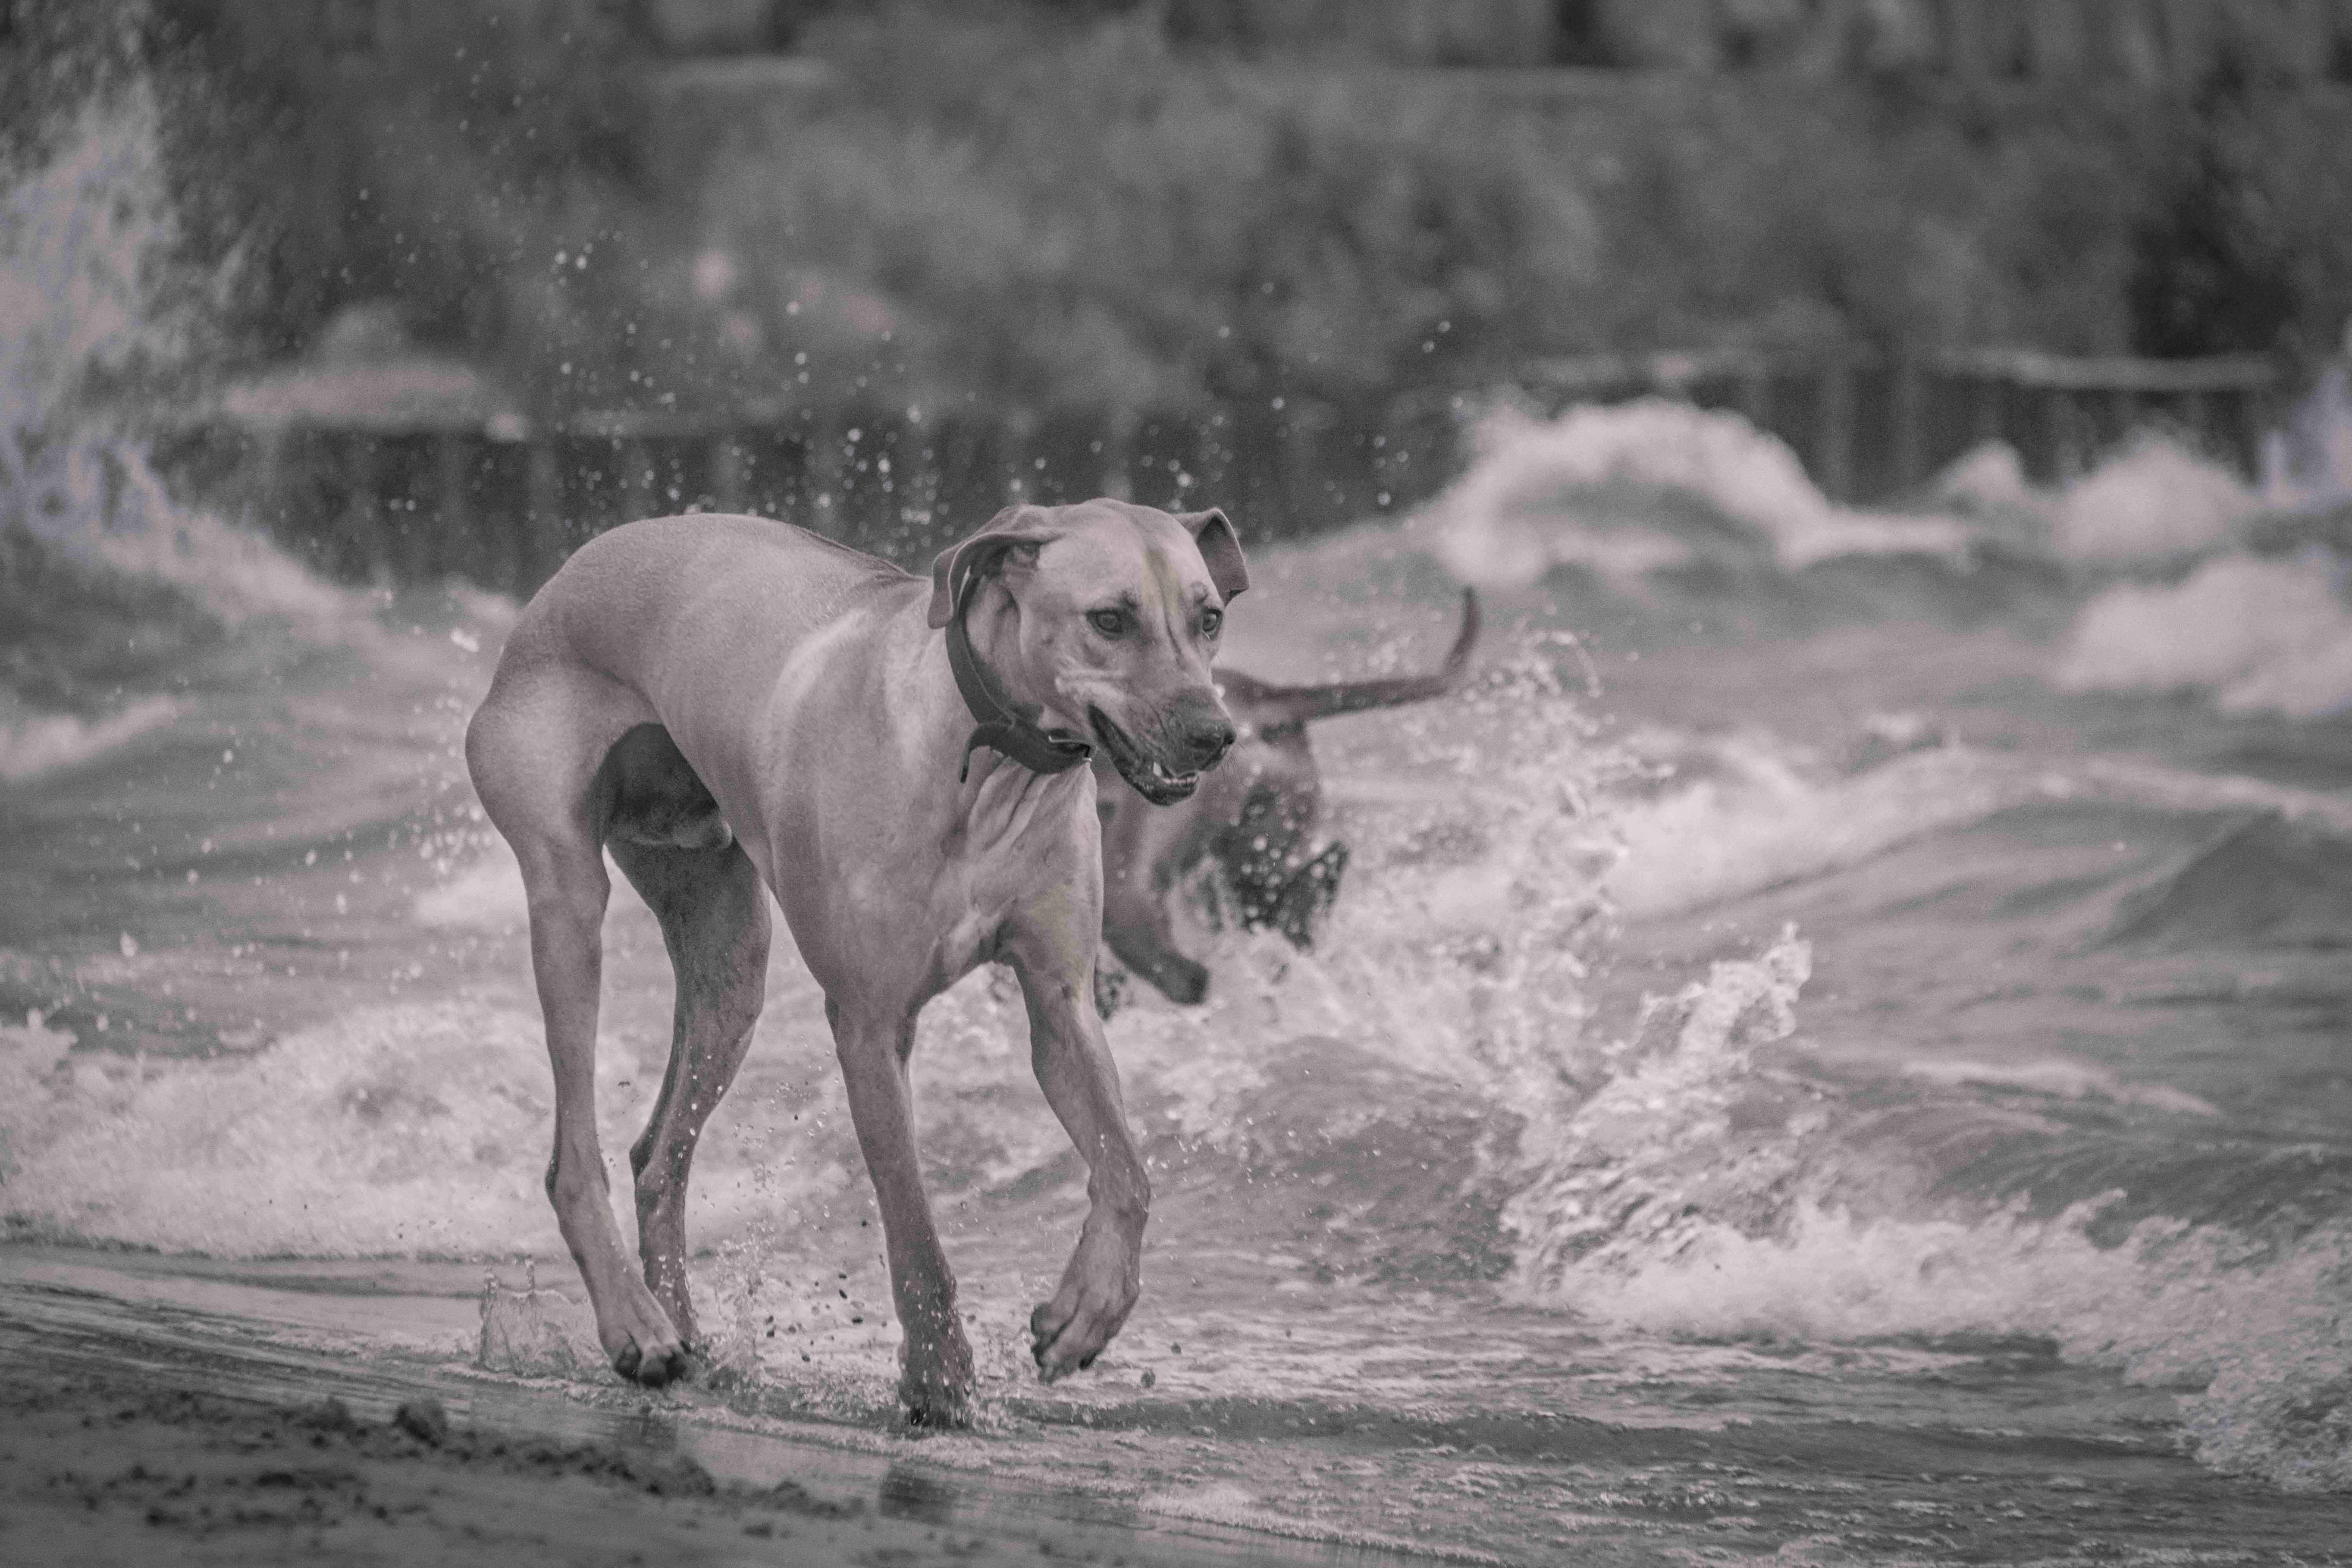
point(1136, 843)
point(534, 750)
point(714, 918)
point(1136, 926)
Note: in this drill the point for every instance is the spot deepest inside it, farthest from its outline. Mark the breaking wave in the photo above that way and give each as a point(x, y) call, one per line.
point(2151, 501)
point(2256, 635)
point(1586, 490)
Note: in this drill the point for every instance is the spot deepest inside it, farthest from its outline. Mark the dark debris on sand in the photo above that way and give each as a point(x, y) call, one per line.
point(100, 1469)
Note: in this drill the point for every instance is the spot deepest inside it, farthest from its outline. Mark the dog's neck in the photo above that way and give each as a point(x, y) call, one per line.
point(1003, 724)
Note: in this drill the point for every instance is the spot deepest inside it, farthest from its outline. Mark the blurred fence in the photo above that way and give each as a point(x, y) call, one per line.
point(1869, 427)
point(502, 507)
point(2147, 43)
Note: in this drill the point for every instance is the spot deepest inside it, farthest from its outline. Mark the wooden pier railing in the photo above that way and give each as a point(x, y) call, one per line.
point(502, 504)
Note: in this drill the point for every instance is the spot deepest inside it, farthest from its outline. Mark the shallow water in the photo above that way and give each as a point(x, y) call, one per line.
point(1820, 1062)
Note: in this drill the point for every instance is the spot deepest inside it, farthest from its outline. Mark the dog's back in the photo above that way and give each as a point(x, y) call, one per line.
point(640, 597)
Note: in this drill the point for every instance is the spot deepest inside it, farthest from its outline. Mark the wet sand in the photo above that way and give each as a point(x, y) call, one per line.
point(151, 1431)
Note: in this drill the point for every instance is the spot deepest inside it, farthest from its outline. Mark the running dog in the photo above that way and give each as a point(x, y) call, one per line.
point(737, 708)
point(1255, 819)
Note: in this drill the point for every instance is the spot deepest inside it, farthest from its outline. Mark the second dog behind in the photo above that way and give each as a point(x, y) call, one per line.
point(1255, 819)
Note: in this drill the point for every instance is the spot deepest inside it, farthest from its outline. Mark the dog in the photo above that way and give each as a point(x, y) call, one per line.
point(1255, 820)
point(739, 708)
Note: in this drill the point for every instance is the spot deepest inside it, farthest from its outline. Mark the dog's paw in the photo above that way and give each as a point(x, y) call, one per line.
point(936, 1409)
point(1097, 1291)
point(638, 1338)
point(1111, 989)
point(657, 1369)
point(935, 1366)
point(935, 1386)
point(1184, 981)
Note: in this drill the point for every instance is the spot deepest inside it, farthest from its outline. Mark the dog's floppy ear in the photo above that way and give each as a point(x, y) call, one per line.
point(1015, 526)
point(1221, 549)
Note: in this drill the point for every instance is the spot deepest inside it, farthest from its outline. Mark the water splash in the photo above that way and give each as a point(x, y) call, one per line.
point(87, 235)
point(110, 582)
point(1632, 1170)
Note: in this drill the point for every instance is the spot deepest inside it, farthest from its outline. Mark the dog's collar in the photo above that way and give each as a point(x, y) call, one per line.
point(1004, 725)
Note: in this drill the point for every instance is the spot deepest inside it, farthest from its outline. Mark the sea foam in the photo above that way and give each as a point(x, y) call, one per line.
point(2256, 635)
point(1536, 496)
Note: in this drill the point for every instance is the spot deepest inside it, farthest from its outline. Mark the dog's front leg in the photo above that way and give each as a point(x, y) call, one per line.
point(935, 1377)
point(1073, 1067)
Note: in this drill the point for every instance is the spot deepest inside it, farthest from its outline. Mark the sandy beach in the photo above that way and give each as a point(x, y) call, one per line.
point(150, 1431)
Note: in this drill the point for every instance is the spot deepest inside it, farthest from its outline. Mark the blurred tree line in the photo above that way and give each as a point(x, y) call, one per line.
point(1083, 201)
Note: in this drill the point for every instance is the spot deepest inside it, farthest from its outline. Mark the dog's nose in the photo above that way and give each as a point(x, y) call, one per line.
point(1207, 740)
point(1194, 733)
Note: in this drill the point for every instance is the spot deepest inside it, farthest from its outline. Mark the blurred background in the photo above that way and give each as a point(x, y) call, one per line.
point(482, 274)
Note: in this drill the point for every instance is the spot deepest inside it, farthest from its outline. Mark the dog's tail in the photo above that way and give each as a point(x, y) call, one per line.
point(1283, 706)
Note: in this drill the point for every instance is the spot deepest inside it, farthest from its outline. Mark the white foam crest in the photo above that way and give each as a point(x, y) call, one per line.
point(2152, 499)
point(2256, 635)
point(1569, 491)
point(2255, 1341)
point(34, 744)
point(1527, 504)
point(1989, 479)
point(395, 1130)
point(1759, 815)
point(2065, 1077)
point(1761, 820)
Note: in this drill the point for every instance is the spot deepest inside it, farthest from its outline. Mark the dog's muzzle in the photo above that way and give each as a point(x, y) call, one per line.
point(1194, 737)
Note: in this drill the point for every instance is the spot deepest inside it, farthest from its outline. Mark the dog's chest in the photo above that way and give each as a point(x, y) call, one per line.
point(1029, 843)
point(926, 904)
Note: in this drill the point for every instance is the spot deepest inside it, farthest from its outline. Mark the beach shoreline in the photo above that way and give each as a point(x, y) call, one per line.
point(143, 1431)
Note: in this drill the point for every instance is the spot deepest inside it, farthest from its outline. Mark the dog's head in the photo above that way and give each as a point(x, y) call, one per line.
point(1109, 616)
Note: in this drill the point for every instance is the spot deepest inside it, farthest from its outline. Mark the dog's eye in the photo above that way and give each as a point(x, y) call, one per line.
point(1110, 623)
point(1211, 619)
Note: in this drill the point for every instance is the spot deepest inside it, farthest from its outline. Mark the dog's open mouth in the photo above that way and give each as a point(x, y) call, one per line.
point(1151, 780)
